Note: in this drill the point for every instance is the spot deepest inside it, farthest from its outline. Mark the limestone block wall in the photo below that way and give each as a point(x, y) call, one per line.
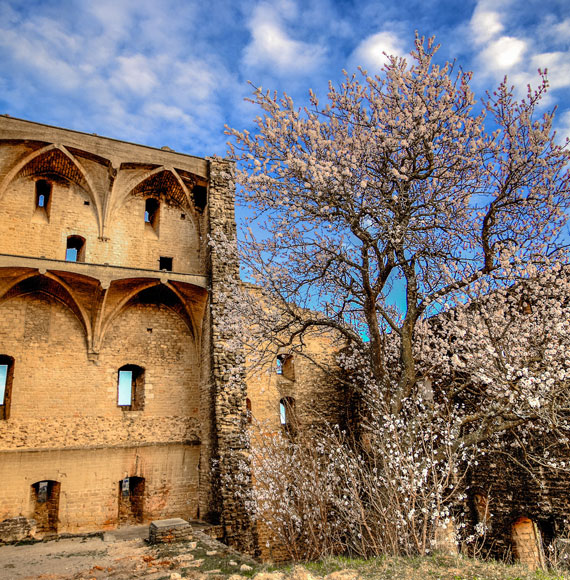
point(318, 395)
point(60, 398)
point(70, 454)
point(90, 483)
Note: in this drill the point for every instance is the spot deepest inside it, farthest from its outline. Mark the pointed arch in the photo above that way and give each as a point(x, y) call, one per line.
point(50, 284)
point(54, 159)
point(179, 307)
point(163, 183)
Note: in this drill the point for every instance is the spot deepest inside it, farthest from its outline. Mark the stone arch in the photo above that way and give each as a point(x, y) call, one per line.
point(50, 160)
point(50, 284)
point(163, 183)
point(178, 305)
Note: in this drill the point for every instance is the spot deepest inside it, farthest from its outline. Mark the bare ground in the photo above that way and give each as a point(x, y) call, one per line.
point(118, 555)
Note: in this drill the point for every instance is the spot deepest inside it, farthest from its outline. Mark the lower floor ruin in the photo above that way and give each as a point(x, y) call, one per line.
point(81, 491)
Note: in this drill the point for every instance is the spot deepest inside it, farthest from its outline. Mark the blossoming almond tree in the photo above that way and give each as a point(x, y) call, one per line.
point(398, 185)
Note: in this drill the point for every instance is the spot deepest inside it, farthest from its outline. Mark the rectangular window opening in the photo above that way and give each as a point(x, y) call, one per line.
point(75, 249)
point(3, 383)
point(125, 389)
point(165, 263)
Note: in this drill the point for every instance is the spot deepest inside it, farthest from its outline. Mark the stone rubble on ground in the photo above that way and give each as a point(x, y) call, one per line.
point(245, 568)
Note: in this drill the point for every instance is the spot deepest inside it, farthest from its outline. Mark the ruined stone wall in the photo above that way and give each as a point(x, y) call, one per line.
point(230, 450)
point(514, 494)
point(61, 399)
point(109, 216)
point(68, 326)
point(308, 376)
point(90, 483)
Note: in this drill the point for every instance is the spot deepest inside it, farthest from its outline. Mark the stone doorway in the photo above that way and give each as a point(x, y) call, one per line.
point(45, 498)
point(527, 543)
point(131, 501)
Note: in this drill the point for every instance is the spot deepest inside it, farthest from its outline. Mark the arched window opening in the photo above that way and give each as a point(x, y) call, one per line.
point(151, 212)
point(131, 500)
point(285, 366)
point(130, 388)
point(45, 498)
point(287, 415)
point(248, 412)
point(481, 511)
point(75, 250)
point(6, 375)
point(43, 194)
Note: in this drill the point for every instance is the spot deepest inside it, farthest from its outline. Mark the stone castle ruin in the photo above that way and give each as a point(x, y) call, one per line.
point(113, 397)
point(118, 391)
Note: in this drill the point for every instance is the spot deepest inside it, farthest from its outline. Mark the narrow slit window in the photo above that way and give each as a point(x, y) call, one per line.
point(200, 194)
point(43, 194)
point(75, 250)
point(248, 413)
point(151, 211)
point(287, 412)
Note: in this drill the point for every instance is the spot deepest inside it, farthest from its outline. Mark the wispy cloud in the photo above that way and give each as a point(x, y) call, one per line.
point(272, 45)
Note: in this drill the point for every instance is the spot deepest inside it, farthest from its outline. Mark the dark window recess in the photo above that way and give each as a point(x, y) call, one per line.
point(43, 194)
point(130, 388)
point(200, 195)
point(165, 264)
point(6, 375)
point(151, 211)
point(86, 202)
point(248, 412)
point(75, 250)
point(182, 216)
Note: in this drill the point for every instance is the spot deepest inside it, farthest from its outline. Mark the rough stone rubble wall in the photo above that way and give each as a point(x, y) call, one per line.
point(231, 448)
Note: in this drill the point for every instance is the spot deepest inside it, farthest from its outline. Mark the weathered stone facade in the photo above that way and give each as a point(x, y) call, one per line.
point(524, 507)
point(115, 395)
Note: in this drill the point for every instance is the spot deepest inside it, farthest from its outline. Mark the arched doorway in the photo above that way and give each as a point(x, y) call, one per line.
point(527, 543)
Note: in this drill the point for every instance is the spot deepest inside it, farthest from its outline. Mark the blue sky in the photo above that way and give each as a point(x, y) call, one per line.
point(173, 72)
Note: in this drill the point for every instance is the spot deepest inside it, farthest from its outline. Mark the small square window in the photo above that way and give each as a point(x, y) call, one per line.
point(165, 263)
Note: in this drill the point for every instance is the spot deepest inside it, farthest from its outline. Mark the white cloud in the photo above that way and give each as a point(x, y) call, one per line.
point(503, 54)
point(369, 53)
point(557, 65)
point(134, 73)
point(272, 46)
point(485, 24)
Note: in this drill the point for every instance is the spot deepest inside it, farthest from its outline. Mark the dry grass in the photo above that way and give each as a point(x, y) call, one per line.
point(438, 567)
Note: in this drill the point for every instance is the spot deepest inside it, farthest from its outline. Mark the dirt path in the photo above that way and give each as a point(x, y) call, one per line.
point(117, 555)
